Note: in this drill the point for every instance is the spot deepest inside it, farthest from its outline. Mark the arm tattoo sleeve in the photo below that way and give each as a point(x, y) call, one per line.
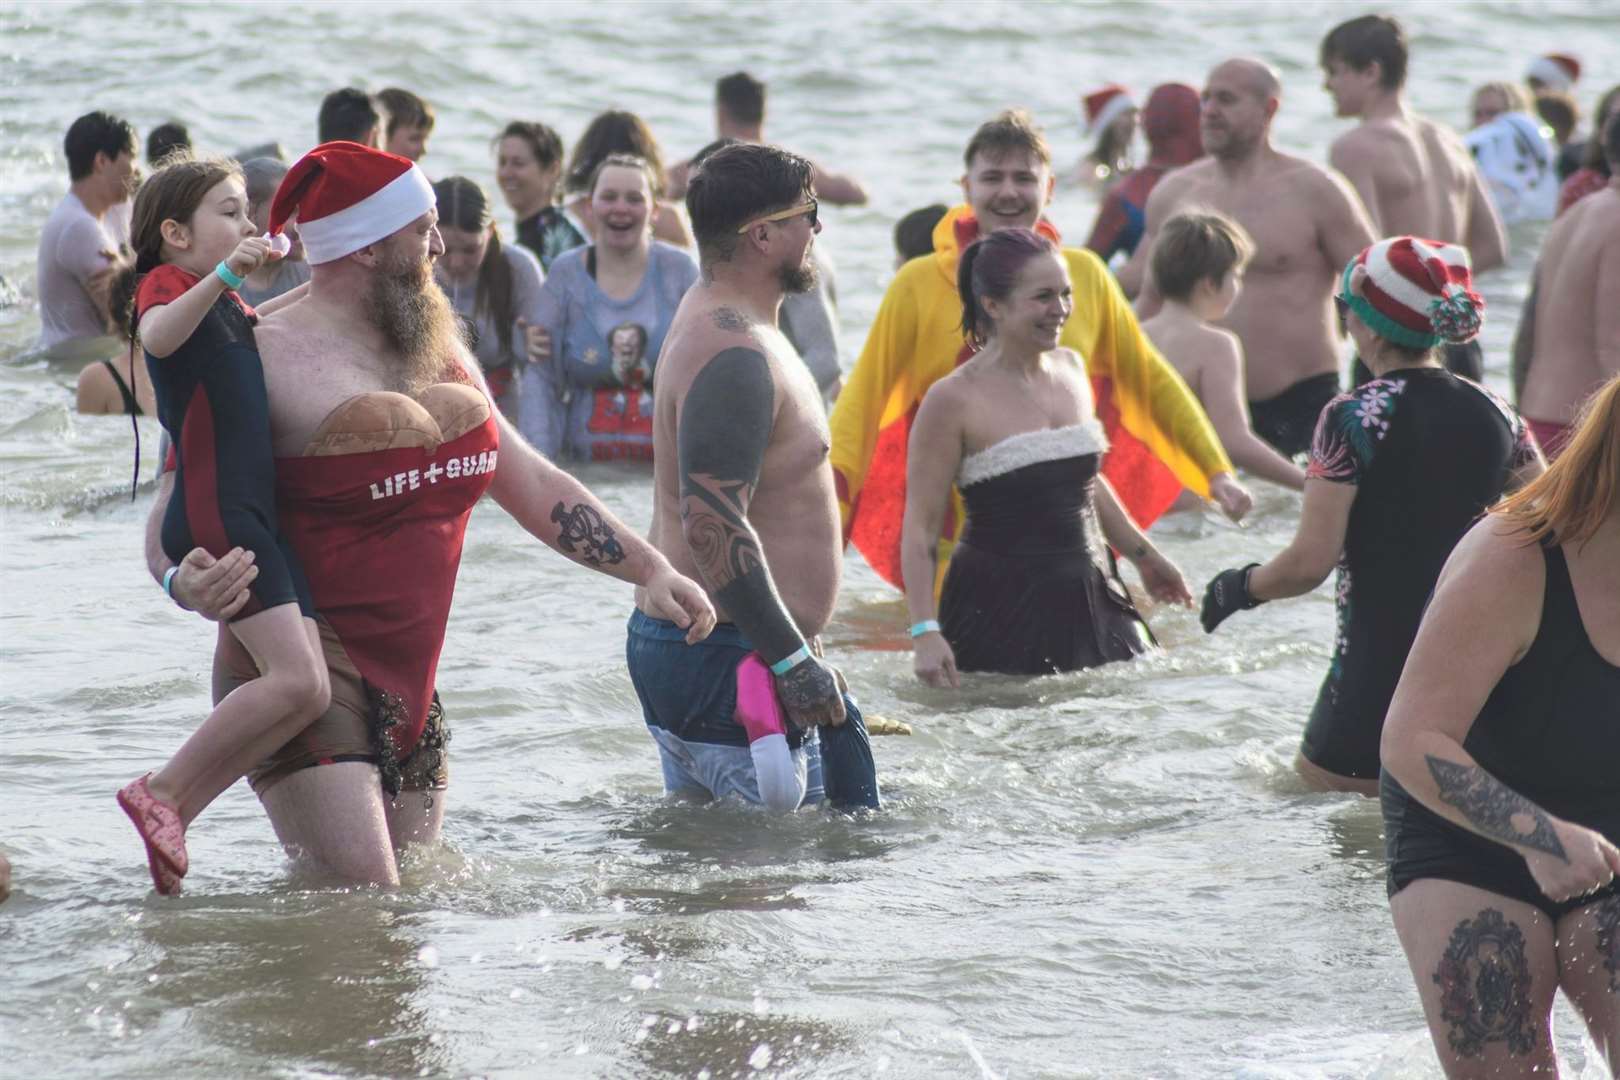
point(1493, 808)
point(725, 426)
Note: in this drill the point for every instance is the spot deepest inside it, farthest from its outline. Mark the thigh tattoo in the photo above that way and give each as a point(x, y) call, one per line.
point(1608, 939)
point(1484, 981)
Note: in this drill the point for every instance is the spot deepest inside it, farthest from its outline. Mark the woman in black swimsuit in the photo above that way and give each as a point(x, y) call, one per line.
point(1031, 588)
point(1501, 784)
point(1399, 469)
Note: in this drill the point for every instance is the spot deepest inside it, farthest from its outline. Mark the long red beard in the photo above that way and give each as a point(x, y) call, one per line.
point(417, 321)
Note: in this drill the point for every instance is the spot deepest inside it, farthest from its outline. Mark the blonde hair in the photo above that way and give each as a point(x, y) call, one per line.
point(1195, 246)
point(1515, 95)
point(1571, 500)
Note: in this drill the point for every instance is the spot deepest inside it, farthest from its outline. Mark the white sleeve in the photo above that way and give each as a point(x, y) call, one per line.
point(781, 777)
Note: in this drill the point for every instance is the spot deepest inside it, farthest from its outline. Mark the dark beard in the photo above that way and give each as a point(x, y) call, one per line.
point(416, 321)
point(797, 279)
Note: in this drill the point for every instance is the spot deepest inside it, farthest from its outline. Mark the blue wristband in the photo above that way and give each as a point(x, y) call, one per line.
point(791, 661)
point(927, 626)
point(231, 280)
point(168, 585)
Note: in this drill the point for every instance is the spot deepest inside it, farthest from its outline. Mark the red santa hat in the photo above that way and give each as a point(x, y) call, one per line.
point(347, 196)
point(1556, 71)
point(1104, 105)
point(1417, 293)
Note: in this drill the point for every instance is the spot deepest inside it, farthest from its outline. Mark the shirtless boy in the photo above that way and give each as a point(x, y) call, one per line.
point(1306, 223)
point(743, 496)
point(1414, 176)
point(1575, 336)
point(1198, 268)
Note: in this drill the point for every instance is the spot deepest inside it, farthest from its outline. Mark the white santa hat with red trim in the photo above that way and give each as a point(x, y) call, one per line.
point(1104, 105)
point(1556, 71)
point(1417, 293)
point(347, 196)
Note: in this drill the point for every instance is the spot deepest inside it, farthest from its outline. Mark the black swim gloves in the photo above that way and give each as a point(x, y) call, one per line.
point(1227, 592)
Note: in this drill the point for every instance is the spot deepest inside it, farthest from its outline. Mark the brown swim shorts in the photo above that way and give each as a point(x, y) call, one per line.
point(351, 729)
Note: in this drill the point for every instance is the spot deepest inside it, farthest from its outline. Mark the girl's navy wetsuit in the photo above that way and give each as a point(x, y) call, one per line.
point(211, 400)
point(1551, 732)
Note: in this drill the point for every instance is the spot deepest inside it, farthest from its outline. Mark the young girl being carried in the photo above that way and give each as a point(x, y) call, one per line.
point(194, 244)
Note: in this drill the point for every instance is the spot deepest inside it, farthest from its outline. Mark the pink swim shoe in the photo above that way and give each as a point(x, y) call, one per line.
point(161, 830)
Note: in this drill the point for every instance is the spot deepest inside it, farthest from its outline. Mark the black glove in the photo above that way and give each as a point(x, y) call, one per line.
point(1227, 592)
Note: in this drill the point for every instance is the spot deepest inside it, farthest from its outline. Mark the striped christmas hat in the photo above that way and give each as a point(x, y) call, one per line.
point(347, 196)
point(1417, 293)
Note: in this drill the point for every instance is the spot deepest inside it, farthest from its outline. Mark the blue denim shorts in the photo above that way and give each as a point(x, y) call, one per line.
point(689, 699)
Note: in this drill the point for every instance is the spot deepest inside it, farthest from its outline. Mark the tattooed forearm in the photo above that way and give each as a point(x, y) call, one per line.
point(583, 535)
point(713, 515)
point(1494, 809)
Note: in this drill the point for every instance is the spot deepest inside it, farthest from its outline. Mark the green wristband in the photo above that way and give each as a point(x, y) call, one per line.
point(231, 280)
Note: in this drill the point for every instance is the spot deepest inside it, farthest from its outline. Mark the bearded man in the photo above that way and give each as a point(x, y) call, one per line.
point(385, 438)
point(744, 501)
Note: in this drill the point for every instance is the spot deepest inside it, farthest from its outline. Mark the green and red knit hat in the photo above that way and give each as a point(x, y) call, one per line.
point(1417, 293)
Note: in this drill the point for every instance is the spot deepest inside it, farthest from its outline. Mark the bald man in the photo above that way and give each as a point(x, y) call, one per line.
point(1306, 223)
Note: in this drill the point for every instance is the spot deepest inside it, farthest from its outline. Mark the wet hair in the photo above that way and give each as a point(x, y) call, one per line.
point(95, 133)
point(262, 176)
point(1012, 131)
point(1571, 500)
point(346, 114)
point(405, 110)
point(914, 233)
point(463, 205)
point(703, 154)
point(737, 184)
point(1558, 111)
point(164, 139)
point(544, 143)
point(989, 268)
point(626, 161)
point(1199, 245)
point(742, 97)
point(1361, 41)
point(1594, 157)
point(613, 132)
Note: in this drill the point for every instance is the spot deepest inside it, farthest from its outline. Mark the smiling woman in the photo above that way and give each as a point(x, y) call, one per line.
point(528, 167)
point(606, 308)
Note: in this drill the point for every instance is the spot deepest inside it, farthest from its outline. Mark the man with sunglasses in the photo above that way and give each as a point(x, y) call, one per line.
point(743, 500)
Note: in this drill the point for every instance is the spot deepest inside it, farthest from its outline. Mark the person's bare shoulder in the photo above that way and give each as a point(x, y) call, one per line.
point(1173, 187)
point(1220, 351)
point(95, 391)
point(1499, 556)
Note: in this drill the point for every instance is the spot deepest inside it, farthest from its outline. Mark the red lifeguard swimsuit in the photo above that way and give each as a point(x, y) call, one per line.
point(380, 535)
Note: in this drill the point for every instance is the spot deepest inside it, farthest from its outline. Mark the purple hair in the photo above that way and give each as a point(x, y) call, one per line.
point(989, 267)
